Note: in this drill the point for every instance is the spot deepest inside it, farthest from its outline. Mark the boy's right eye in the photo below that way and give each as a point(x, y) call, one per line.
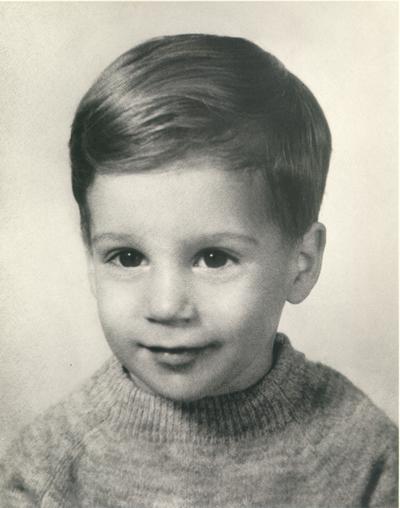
point(129, 258)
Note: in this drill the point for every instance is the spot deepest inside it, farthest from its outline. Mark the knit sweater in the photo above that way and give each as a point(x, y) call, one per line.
point(303, 436)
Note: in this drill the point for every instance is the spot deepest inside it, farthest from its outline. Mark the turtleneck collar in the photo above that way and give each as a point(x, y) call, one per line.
point(262, 408)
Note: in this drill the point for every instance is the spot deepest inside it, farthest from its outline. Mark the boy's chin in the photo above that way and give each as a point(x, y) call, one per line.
point(176, 391)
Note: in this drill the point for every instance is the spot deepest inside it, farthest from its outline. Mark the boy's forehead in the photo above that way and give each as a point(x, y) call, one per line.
point(182, 178)
point(196, 192)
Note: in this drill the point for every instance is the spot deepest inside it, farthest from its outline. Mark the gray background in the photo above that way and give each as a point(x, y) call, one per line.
point(49, 55)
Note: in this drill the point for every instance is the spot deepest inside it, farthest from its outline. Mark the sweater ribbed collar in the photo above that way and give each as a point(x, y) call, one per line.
point(262, 408)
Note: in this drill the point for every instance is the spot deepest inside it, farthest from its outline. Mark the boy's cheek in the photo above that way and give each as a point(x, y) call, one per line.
point(117, 305)
point(250, 315)
point(237, 320)
point(238, 301)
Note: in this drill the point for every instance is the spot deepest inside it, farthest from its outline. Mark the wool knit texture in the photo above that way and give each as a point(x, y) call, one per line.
point(303, 436)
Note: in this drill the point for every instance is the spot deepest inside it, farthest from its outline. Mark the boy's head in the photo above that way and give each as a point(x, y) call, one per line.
point(199, 164)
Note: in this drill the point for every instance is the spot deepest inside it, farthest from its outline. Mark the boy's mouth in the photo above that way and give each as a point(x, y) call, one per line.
point(174, 350)
point(177, 356)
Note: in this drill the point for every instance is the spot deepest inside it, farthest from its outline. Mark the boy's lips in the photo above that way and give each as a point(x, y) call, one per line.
point(177, 356)
point(174, 350)
point(177, 346)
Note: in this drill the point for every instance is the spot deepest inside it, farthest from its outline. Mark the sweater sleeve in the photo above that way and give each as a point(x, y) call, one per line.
point(382, 489)
point(23, 474)
point(31, 466)
point(37, 468)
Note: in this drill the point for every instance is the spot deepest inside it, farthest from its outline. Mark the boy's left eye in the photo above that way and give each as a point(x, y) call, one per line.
point(214, 258)
point(129, 258)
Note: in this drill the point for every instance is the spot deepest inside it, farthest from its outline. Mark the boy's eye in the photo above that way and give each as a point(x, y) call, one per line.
point(129, 258)
point(213, 258)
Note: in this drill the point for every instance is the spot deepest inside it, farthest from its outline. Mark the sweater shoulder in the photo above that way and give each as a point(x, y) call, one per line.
point(74, 416)
point(45, 447)
point(341, 408)
point(350, 433)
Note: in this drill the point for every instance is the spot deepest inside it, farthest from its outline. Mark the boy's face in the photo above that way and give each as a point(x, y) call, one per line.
point(190, 276)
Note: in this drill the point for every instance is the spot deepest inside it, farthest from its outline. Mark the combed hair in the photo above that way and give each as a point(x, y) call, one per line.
point(189, 95)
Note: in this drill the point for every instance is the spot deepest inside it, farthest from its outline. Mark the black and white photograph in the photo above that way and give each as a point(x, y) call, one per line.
point(199, 254)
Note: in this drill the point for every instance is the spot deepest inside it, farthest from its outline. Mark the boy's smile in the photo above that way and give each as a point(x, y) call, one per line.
point(190, 276)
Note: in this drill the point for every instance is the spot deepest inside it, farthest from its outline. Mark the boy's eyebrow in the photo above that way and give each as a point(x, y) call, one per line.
point(214, 237)
point(116, 237)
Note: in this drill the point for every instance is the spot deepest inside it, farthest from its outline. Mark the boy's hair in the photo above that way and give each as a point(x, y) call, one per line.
point(204, 95)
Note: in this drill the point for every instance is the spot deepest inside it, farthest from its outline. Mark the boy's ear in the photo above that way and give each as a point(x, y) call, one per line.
point(90, 268)
point(307, 263)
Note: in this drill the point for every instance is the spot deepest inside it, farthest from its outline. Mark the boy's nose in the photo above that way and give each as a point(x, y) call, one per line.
point(169, 299)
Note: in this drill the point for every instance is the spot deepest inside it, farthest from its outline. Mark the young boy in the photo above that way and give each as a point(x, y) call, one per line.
point(199, 164)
